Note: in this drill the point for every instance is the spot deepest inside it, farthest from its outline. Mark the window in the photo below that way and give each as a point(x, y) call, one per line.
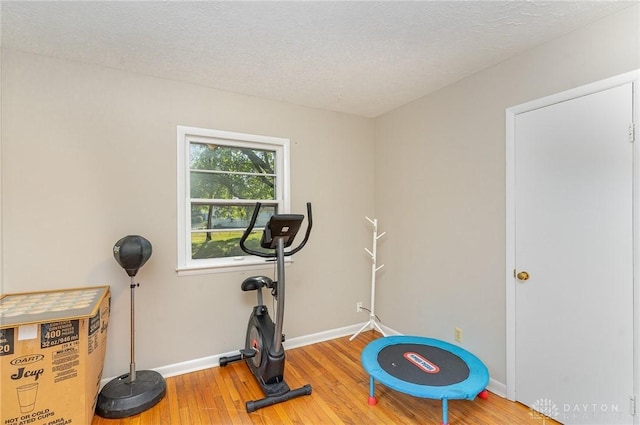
point(221, 176)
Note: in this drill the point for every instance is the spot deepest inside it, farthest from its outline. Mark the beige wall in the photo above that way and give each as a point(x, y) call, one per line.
point(440, 186)
point(89, 156)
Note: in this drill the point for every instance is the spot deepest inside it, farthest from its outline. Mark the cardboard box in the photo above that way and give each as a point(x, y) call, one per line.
point(52, 349)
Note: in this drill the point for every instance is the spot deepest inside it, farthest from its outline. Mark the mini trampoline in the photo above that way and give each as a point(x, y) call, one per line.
point(426, 368)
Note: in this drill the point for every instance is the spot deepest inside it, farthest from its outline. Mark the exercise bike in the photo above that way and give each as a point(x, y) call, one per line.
point(263, 352)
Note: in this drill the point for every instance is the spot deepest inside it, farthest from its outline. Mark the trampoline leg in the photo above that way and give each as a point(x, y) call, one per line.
point(372, 398)
point(445, 411)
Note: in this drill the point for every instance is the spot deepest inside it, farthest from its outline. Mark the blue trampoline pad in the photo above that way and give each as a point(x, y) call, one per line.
point(459, 375)
point(425, 367)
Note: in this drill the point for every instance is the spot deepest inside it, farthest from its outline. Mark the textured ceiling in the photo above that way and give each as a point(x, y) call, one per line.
point(360, 57)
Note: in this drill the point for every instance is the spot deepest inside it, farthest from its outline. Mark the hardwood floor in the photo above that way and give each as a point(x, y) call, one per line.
point(217, 396)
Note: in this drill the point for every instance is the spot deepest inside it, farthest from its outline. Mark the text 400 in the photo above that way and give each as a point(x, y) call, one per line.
point(57, 333)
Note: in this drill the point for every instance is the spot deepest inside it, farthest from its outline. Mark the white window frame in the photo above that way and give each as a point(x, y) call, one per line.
point(186, 135)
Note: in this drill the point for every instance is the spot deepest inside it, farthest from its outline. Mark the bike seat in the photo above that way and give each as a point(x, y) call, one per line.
point(256, 282)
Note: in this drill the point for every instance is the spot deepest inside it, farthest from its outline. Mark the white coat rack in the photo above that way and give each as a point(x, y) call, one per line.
point(373, 320)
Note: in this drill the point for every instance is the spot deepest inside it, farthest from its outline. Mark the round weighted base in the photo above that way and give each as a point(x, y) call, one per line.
point(121, 398)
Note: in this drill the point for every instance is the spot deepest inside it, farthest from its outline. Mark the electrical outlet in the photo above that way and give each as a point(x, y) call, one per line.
point(457, 334)
point(358, 306)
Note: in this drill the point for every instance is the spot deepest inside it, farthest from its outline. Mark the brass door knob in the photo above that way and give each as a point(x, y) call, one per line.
point(523, 275)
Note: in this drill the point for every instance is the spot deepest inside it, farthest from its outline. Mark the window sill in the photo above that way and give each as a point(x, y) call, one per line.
point(247, 265)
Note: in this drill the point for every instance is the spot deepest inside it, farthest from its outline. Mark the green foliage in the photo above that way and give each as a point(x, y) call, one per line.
point(222, 172)
point(224, 244)
point(226, 172)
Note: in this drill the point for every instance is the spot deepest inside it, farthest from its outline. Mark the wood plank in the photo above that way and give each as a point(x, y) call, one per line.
point(217, 396)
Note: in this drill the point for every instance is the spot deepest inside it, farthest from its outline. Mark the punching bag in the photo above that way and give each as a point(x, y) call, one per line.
point(136, 391)
point(131, 252)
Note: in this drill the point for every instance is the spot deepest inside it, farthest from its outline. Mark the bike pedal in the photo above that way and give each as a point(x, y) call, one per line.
point(247, 354)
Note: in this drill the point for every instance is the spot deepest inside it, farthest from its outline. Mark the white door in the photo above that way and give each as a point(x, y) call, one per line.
point(574, 239)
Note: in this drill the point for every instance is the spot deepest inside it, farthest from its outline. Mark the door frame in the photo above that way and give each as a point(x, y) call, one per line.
point(511, 113)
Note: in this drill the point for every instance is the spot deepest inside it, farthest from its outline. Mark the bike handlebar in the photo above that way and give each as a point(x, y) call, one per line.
point(251, 226)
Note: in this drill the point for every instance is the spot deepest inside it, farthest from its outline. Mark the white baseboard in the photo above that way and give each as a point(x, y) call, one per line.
point(321, 336)
point(498, 388)
point(195, 365)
